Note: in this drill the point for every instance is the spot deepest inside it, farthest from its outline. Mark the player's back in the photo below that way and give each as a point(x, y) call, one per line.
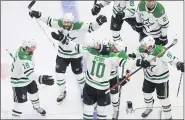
point(98, 69)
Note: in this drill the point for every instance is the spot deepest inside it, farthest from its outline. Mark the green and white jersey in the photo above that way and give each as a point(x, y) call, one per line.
point(99, 66)
point(76, 34)
point(155, 22)
point(124, 5)
point(22, 71)
point(158, 72)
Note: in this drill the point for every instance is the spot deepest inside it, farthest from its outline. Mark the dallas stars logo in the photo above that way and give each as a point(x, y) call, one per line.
point(147, 22)
point(151, 67)
point(71, 38)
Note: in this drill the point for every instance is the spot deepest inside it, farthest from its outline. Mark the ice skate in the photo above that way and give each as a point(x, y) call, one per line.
point(147, 111)
point(61, 97)
point(40, 110)
point(115, 115)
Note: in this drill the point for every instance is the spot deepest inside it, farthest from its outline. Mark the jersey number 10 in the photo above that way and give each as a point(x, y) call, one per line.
point(99, 68)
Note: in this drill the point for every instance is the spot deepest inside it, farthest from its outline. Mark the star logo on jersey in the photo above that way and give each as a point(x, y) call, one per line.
point(71, 38)
point(151, 67)
point(147, 22)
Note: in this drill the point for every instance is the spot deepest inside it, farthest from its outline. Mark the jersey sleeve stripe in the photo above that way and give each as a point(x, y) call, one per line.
point(29, 73)
point(23, 78)
point(165, 25)
point(50, 22)
point(28, 70)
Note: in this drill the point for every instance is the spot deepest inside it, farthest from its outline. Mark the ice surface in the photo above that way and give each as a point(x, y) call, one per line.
point(16, 25)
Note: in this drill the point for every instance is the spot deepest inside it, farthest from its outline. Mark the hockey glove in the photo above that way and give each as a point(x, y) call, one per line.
point(139, 27)
point(120, 15)
point(60, 37)
point(126, 79)
point(104, 50)
point(96, 9)
point(161, 41)
point(35, 14)
point(133, 56)
point(46, 79)
point(101, 19)
point(180, 66)
point(142, 63)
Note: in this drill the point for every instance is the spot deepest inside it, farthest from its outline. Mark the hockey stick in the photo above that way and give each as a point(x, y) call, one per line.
point(116, 85)
point(10, 54)
point(119, 98)
point(29, 7)
point(31, 4)
point(179, 84)
point(95, 1)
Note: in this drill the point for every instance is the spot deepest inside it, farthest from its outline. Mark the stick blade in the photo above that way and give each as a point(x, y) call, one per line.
point(31, 4)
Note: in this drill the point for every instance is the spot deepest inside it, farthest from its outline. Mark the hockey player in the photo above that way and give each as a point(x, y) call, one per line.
point(74, 31)
point(156, 73)
point(124, 9)
point(100, 61)
point(152, 20)
point(23, 80)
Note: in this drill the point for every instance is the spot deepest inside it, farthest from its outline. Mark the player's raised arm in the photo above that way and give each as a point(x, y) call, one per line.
point(92, 26)
point(97, 7)
point(48, 20)
point(172, 60)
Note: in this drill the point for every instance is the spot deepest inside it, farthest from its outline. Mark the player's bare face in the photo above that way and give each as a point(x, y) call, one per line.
point(113, 49)
point(150, 4)
point(147, 49)
point(67, 25)
point(31, 50)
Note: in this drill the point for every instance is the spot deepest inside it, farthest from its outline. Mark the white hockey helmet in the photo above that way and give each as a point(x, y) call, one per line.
point(29, 43)
point(148, 43)
point(117, 46)
point(68, 17)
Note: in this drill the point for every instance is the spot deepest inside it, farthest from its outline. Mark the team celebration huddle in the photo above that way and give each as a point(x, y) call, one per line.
point(107, 65)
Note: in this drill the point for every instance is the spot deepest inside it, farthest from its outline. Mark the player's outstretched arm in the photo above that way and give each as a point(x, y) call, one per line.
point(51, 22)
point(172, 60)
point(97, 7)
point(28, 69)
point(92, 26)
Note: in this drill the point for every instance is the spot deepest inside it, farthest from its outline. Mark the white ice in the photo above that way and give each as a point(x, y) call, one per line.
point(16, 25)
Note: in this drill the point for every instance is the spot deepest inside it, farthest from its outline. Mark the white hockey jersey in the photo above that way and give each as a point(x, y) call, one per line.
point(99, 66)
point(123, 5)
point(158, 72)
point(76, 34)
point(155, 22)
point(22, 71)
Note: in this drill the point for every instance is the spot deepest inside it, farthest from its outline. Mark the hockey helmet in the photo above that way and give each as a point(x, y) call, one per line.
point(117, 46)
point(68, 17)
point(148, 44)
point(29, 44)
